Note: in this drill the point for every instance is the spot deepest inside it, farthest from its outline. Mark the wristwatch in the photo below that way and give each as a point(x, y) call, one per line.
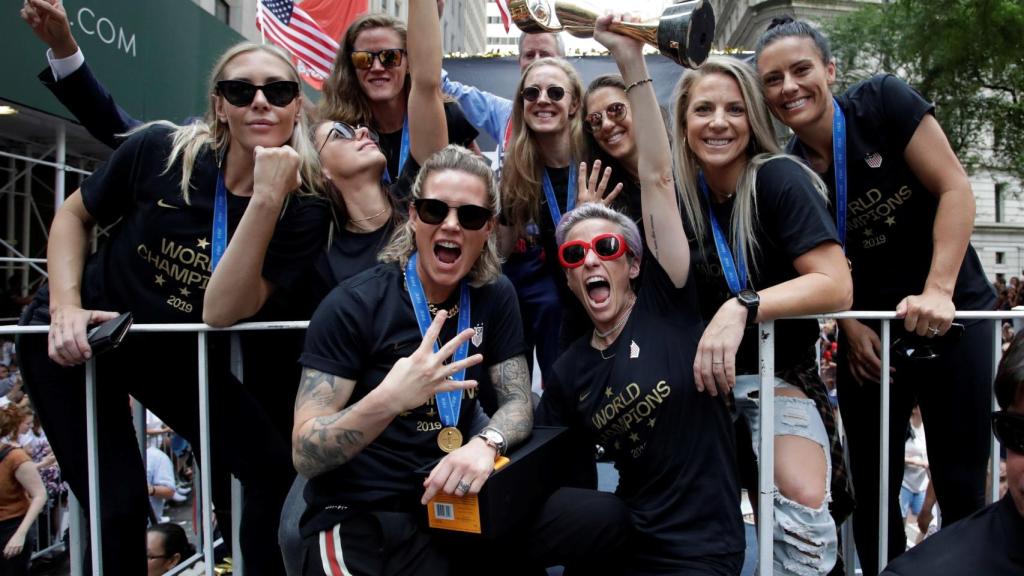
point(494, 439)
point(750, 300)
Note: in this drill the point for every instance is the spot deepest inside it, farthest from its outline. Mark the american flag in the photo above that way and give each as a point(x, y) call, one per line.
point(503, 10)
point(290, 27)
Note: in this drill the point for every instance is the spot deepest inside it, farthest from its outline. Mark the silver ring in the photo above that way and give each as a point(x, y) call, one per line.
point(933, 330)
point(462, 487)
point(717, 363)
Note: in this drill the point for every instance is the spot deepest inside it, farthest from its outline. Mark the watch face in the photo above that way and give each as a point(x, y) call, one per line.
point(748, 297)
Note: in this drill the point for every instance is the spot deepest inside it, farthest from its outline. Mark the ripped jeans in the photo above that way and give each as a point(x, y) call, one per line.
point(805, 540)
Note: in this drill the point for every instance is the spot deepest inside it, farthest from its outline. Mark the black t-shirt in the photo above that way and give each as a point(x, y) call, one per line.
point(673, 447)
point(156, 262)
point(792, 219)
point(359, 331)
point(890, 214)
point(460, 132)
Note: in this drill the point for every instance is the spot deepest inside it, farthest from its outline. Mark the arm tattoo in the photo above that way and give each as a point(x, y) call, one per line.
point(321, 444)
point(514, 417)
point(654, 239)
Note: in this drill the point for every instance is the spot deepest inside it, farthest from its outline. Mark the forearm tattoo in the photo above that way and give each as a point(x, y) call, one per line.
point(654, 239)
point(514, 417)
point(322, 443)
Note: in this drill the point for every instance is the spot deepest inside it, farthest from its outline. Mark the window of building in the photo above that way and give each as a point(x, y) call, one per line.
point(1000, 257)
point(1000, 198)
point(222, 10)
point(494, 19)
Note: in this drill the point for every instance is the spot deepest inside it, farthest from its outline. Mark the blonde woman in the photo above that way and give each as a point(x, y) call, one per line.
point(764, 247)
point(179, 193)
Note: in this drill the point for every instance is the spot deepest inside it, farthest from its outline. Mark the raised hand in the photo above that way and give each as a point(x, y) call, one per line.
point(49, 22)
point(413, 380)
point(592, 188)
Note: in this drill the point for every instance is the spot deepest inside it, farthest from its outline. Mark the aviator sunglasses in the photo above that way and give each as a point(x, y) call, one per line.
point(615, 111)
point(389, 58)
point(241, 93)
point(348, 132)
point(608, 246)
point(532, 93)
point(1009, 430)
point(433, 212)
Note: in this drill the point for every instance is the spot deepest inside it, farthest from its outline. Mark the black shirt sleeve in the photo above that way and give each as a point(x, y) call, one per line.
point(336, 340)
point(790, 210)
point(460, 131)
point(895, 107)
point(110, 193)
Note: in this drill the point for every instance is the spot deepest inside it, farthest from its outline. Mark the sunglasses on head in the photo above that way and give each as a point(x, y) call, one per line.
point(532, 93)
point(241, 93)
point(389, 58)
point(607, 247)
point(347, 132)
point(433, 212)
point(615, 111)
point(1009, 430)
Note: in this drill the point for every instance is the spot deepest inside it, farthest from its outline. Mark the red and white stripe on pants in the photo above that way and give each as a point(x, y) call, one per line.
point(330, 553)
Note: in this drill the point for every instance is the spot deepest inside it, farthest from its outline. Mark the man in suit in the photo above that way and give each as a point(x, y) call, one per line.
point(991, 541)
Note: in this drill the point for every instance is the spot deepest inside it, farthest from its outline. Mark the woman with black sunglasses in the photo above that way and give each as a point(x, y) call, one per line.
point(628, 384)
point(245, 172)
point(369, 86)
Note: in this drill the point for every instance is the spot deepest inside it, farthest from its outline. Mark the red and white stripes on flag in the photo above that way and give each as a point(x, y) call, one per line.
point(291, 28)
point(506, 18)
point(330, 552)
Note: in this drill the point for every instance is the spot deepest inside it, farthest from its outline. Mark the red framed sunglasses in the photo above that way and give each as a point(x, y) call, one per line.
point(609, 246)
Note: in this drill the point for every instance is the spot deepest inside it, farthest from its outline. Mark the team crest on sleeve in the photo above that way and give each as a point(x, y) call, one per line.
point(478, 337)
point(874, 160)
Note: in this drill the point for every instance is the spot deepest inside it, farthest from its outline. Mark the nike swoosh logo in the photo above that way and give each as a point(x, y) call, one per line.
point(161, 203)
point(584, 394)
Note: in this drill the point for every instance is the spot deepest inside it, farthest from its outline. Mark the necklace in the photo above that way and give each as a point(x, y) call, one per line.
point(603, 336)
point(603, 357)
point(355, 221)
point(452, 312)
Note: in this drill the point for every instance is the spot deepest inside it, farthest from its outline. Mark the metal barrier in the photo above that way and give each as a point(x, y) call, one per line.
point(766, 486)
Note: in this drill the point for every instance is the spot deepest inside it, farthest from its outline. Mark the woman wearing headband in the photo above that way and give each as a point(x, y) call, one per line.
point(179, 193)
point(628, 384)
point(904, 211)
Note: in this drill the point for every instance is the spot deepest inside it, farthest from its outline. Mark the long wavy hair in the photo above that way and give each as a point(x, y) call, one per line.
point(761, 149)
point(521, 173)
point(189, 141)
point(487, 267)
point(343, 97)
point(11, 417)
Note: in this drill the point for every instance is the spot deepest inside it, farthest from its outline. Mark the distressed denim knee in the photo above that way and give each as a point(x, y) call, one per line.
point(804, 538)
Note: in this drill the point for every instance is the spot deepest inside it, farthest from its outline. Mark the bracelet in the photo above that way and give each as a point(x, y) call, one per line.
point(637, 83)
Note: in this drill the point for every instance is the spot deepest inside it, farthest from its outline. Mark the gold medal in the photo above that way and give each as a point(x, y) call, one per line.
point(449, 439)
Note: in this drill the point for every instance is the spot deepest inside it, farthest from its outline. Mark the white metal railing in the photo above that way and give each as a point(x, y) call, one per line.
point(766, 482)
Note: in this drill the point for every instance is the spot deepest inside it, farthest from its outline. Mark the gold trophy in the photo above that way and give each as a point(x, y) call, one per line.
point(683, 32)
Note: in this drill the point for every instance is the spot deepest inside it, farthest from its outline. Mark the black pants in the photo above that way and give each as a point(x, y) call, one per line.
point(584, 530)
point(18, 565)
point(955, 395)
point(160, 370)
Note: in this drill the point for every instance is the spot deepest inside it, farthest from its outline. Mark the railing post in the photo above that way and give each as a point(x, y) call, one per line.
point(997, 352)
point(237, 560)
point(766, 459)
point(205, 458)
point(76, 535)
point(883, 450)
point(92, 452)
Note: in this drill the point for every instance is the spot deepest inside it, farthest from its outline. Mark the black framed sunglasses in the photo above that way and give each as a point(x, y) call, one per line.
point(433, 212)
point(615, 111)
point(241, 93)
point(389, 58)
point(532, 93)
point(348, 132)
point(914, 347)
point(1009, 430)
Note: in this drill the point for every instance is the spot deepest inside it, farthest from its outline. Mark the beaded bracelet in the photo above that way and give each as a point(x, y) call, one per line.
point(637, 83)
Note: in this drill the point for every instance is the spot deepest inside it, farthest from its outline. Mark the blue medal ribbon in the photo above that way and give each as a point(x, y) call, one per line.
point(220, 222)
point(735, 272)
point(570, 193)
point(839, 165)
point(449, 404)
point(403, 154)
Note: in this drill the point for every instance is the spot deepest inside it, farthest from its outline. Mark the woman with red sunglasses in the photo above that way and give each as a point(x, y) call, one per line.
point(627, 385)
